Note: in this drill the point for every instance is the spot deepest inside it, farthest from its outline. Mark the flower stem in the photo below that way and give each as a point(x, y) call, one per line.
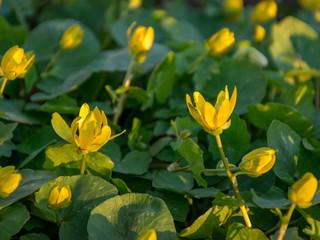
point(3, 85)
point(234, 182)
point(83, 164)
point(194, 63)
point(52, 61)
point(126, 83)
point(285, 221)
point(58, 220)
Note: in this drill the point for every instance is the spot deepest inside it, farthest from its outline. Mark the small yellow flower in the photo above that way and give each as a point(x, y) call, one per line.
point(15, 63)
point(220, 42)
point(134, 4)
point(71, 38)
point(303, 190)
point(264, 11)
point(59, 197)
point(9, 180)
point(213, 119)
point(310, 4)
point(232, 5)
point(259, 33)
point(91, 126)
point(140, 41)
point(150, 234)
point(258, 161)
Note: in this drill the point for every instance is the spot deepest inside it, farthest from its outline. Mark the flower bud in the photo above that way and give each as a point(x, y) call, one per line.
point(264, 11)
point(259, 33)
point(220, 42)
point(71, 38)
point(150, 234)
point(232, 6)
point(9, 180)
point(258, 161)
point(59, 197)
point(303, 190)
point(140, 42)
point(15, 63)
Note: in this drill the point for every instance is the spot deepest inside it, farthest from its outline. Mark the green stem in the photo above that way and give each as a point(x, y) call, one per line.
point(126, 83)
point(58, 220)
point(194, 63)
point(285, 221)
point(3, 85)
point(234, 182)
point(52, 61)
point(83, 164)
point(210, 172)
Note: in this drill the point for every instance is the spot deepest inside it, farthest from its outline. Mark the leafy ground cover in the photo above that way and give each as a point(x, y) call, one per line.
point(159, 119)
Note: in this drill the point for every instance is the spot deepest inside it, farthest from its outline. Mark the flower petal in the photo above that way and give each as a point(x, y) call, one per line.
point(223, 114)
point(195, 113)
point(209, 114)
point(61, 127)
point(233, 100)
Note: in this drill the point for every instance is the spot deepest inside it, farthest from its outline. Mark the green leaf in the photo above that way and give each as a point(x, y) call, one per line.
point(134, 133)
point(34, 236)
point(87, 192)
point(282, 49)
point(235, 140)
point(31, 182)
point(177, 182)
point(208, 192)
point(192, 153)
point(161, 80)
point(286, 143)
point(62, 104)
point(135, 162)
point(301, 98)
point(206, 224)
point(120, 185)
point(12, 219)
point(14, 110)
point(246, 76)
point(6, 131)
point(177, 204)
point(274, 198)
point(239, 232)
point(291, 234)
point(262, 116)
point(224, 200)
point(69, 157)
point(136, 212)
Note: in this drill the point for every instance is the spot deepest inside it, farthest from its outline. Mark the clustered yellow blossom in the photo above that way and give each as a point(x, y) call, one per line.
point(264, 11)
point(59, 197)
point(71, 38)
point(9, 180)
point(15, 63)
point(213, 119)
point(258, 161)
point(303, 190)
point(140, 42)
point(89, 131)
point(220, 42)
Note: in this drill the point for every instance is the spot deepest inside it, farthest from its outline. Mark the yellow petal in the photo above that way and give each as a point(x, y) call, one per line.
point(86, 132)
point(100, 140)
point(84, 111)
point(223, 114)
point(114, 136)
point(220, 99)
point(194, 113)
point(210, 113)
point(61, 128)
point(233, 100)
point(130, 30)
point(148, 39)
point(200, 102)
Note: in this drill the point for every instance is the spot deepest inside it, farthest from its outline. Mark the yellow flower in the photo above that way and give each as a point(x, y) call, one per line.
point(91, 126)
point(310, 4)
point(213, 119)
point(264, 11)
point(150, 234)
point(59, 197)
point(303, 190)
point(232, 5)
point(140, 41)
point(258, 161)
point(15, 63)
point(134, 4)
point(71, 38)
point(220, 42)
point(9, 180)
point(258, 33)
